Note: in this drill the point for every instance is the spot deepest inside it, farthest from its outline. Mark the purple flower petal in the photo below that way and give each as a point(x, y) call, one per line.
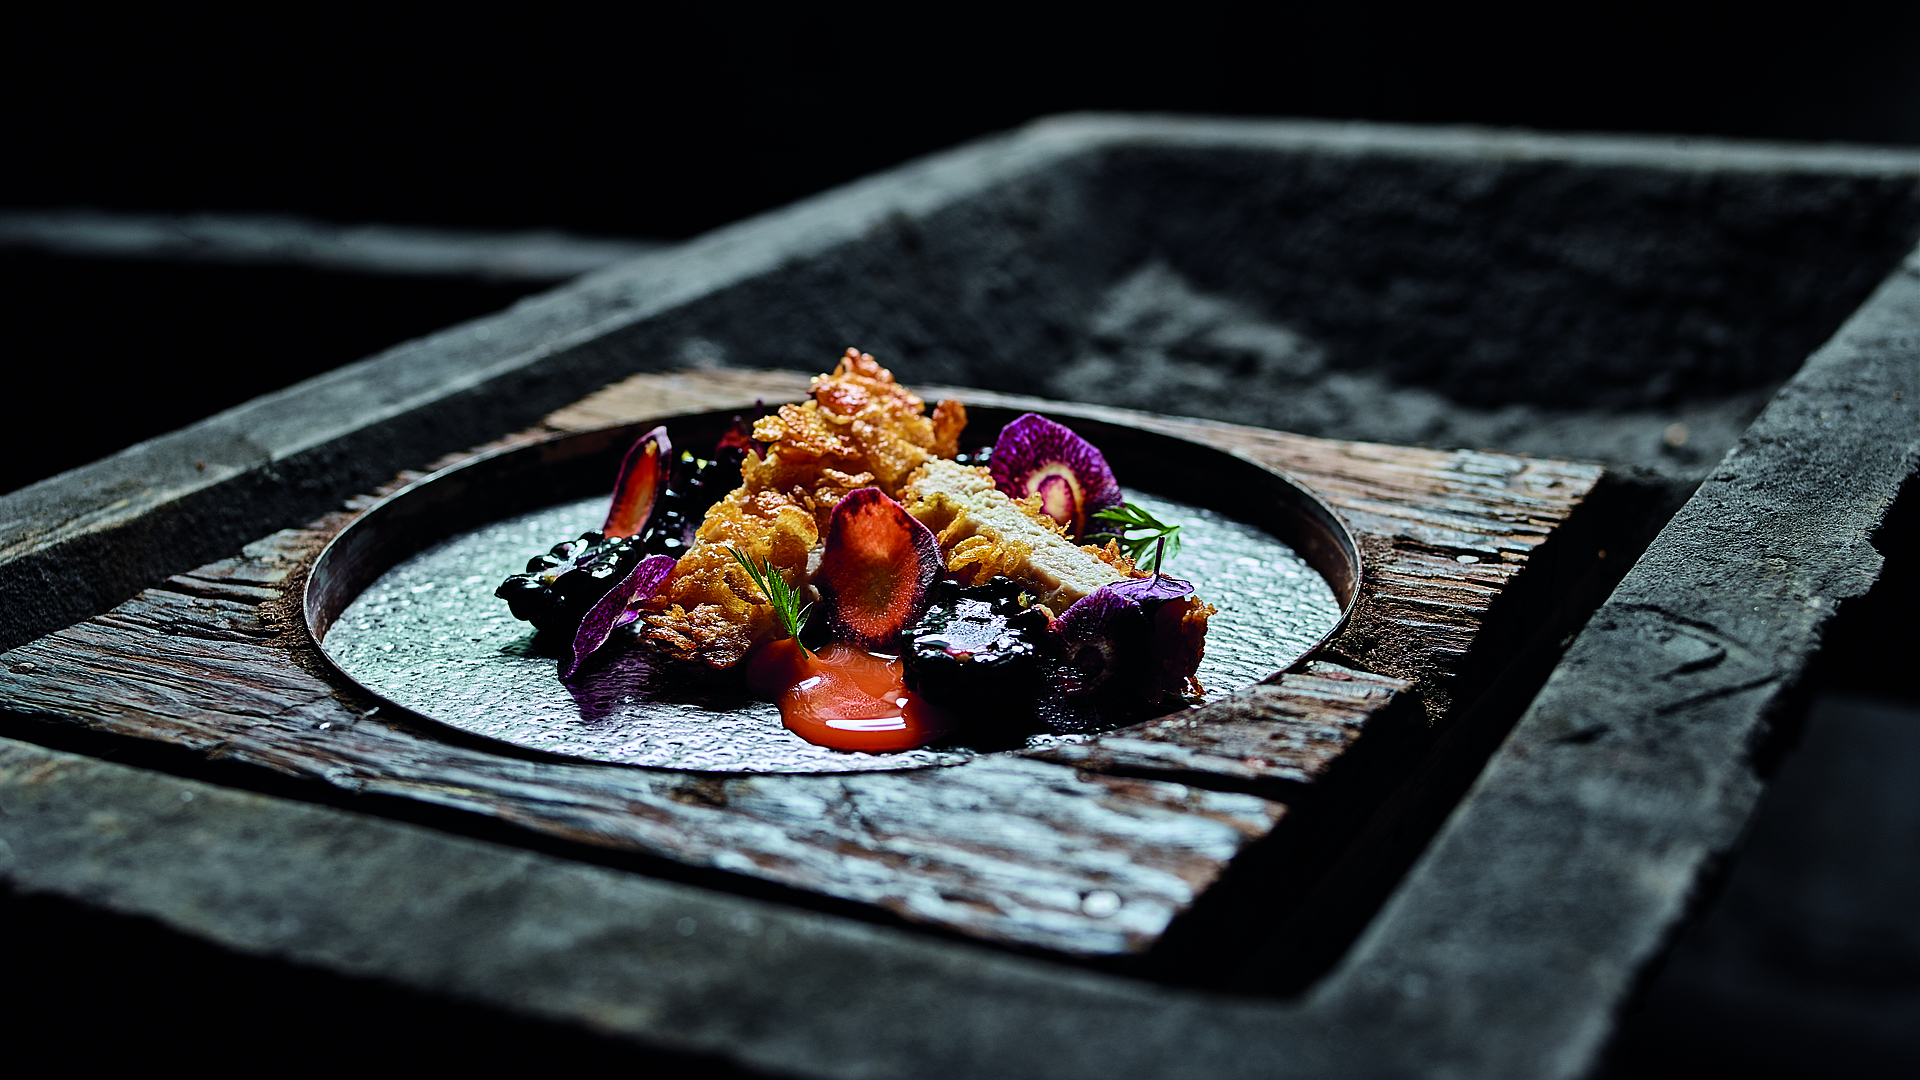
point(643, 476)
point(614, 610)
point(1036, 456)
point(1157, 587)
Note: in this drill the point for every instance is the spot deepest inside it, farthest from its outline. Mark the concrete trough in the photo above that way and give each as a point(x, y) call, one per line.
point(1733, 329)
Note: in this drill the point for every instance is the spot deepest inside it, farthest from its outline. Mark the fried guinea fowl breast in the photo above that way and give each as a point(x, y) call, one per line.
point(983, 532)
point(861, 429)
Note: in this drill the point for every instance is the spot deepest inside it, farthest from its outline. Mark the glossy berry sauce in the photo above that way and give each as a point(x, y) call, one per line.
point(845, 698)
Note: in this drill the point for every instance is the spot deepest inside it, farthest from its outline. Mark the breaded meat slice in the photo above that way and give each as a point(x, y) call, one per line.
point(983, 533)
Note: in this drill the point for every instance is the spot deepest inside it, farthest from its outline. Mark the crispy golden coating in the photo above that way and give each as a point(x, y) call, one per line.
point(862, 429)
point(710, 610)
point(1112, 556)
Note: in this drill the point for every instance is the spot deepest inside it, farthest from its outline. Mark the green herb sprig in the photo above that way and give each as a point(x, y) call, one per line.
point(1151, 532)
point(786, 604)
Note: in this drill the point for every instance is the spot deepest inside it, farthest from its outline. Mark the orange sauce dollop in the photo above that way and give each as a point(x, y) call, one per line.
point(845, 698)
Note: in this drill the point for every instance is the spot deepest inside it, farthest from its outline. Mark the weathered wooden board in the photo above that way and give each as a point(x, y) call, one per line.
point(1081, 853)
point(1289, 731)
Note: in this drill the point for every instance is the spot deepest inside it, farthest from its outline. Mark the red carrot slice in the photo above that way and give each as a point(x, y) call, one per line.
point(643, 476)
point(877, 570)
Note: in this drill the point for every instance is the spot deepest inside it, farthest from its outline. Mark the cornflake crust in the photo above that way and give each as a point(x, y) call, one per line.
point(861, 429)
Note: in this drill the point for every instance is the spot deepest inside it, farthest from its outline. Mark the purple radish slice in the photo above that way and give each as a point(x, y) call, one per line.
point(643, 476)
point(615, 609)
point(877, 569)
point(1101, 643)
point(1035, 456)
point(1157, 587)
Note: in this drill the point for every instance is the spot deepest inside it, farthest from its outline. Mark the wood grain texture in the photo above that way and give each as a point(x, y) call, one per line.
point(1278, 734)
point(1002, 848)
point(1091, 851)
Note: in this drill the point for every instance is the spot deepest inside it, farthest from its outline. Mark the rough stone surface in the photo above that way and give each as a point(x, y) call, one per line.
point(1582, 843)
point(1521, 270)
point(767, 985)
point(1807, 960)
point(168, 504)
point(1421, 267)
point(1159, 342)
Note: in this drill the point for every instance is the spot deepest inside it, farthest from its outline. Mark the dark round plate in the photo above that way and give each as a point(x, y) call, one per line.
point(401, 602)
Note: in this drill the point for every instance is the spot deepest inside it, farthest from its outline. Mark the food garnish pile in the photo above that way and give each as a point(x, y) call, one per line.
point(843, 558)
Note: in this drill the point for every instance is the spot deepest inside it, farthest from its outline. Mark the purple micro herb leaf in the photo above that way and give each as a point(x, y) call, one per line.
point(1035, 456)
point(615, 609)
point(643, 476)
point(1157, 587)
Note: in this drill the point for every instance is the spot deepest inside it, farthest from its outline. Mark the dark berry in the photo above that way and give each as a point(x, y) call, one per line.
point(697, 484)
point(562, 585)
point(559, 587)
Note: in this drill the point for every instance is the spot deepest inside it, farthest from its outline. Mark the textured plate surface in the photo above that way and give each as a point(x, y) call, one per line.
point(430, 635)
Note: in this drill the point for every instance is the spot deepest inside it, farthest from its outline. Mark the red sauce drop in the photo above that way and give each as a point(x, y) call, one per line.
point(777, 665)
point(845, 698)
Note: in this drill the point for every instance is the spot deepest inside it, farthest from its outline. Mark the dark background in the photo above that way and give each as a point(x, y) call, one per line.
point(1807, 962)
point(642, 127)
point(639, 130)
